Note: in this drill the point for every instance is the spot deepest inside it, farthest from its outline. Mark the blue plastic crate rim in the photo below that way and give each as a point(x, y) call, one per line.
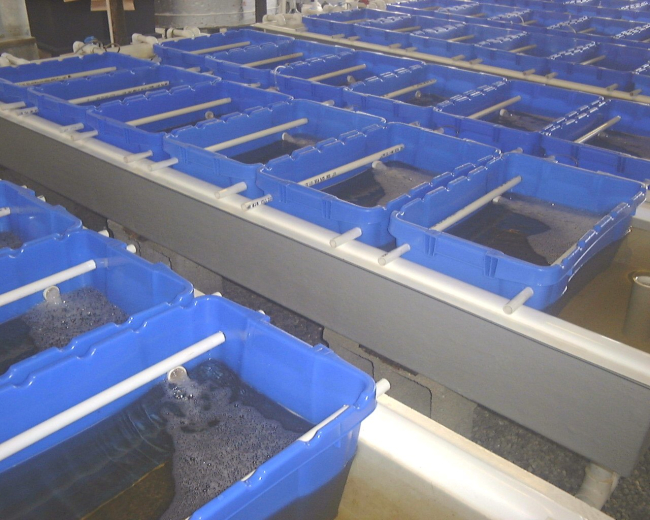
point(616, 198)
point(31, 219)
point(310, 381)
point(136, 286)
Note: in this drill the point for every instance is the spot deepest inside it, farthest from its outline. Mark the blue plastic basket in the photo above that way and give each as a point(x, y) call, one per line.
point(66, 102)
point(305, 480)
point(44, 72)
point(614, 198)
point(191, 52)
point(137, 287)
point(115, 120)
point(449, 82)
point(548, 104)
point(634, 121)
point(31, 219)
point(267, 56)
point(594, 159)
point(443, 157)
point(373, 64)
point(324, 123)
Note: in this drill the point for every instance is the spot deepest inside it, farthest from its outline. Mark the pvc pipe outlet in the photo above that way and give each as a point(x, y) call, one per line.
point(598, 485)
point(637, 320)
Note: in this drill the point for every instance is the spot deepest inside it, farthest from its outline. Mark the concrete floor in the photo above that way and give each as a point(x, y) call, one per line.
point(547, 460)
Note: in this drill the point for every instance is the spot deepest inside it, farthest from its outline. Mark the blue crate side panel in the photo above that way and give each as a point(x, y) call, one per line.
point(450, 158)
point(31, 219)
point(551, 102)
point(111, 119)
point(311, 381)
point(90, 62)
point(491, 269)
point(52, 99)
point(374, 63)
point(139, 288)
point(594, 159)
point(187, 144)
point(449, 82)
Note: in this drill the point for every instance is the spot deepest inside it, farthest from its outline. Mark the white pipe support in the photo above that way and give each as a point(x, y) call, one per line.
point(12, 106)
point(26, 111)
point(387, 258)
point(220, 48)
point(519, 300)
point(461, 38)
point(134, 157)
point(308, 436)
point(120, 92)
point(162, 164)
point(62, 77)
point(599, 129)
point(597, 59)
point(335, 172)
point(598, 485)
point(178, 112)
point(524, 48)
point(268, 61)
point(494, 108)
point(42, 284)
point(254, 203)
point(257, 135)
point(637, 319)
point(231, 190)
point(115, 392)
point(346, 237)
point(336, 73)
point(408, 29)
point(82, 136)
point(478, 203)
point(411, 88)
point(71, 128)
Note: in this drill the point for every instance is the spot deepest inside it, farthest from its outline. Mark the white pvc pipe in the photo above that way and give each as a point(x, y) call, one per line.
point(593, 133)
point(494, 108)
point(71, 128)
point(286, 57)
point(524, 48)
point(62, 77)
point(478, 203)
point(346, 237)
point(115, 93)
point(82, 136)
point(178, 112)
point(337, 73)
point(408, 29)
point(598, 485)
point(257, 135)
point(231, 190)
point(461, 38)
point(11, 106)
point(256, 202)
point(637, 319)
point(220, 48)
point(94, 403)
point(5, 211)
point(587, 31)
point(335, 172)
point(518, 300)
point(387, 258)
point(593, 60)
point(44, 283)
point(411, 88)
point(163, 164)
point(133, 157)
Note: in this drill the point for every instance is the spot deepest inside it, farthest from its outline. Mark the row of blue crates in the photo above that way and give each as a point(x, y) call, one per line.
point(164, 319)
point(241, 134)
point(565, 55)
